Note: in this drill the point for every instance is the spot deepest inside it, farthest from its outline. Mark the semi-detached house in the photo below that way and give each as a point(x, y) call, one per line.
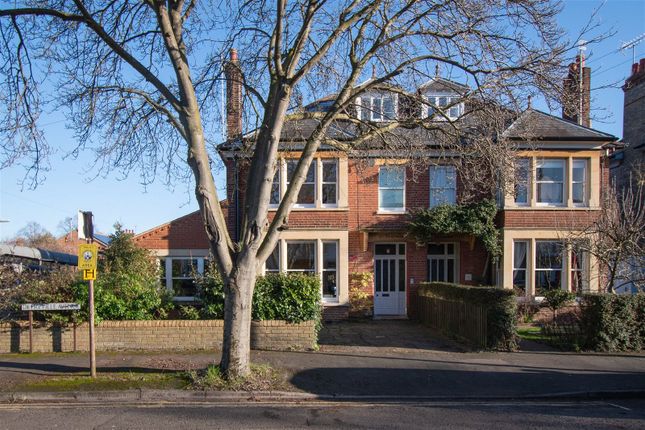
point(352, 211)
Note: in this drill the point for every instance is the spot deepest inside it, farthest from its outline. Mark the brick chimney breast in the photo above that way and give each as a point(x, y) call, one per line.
point(233, 96)
point(572, 93)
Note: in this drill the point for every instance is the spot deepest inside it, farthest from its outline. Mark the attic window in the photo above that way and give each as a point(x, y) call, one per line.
point(377, 107)
point(449, 105)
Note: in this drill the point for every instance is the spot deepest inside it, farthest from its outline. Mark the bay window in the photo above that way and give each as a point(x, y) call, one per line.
point(443, 185)
point(550, 181)
point(391, 189)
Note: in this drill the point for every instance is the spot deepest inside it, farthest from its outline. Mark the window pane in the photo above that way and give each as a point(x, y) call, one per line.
point(578, 191)
point(391, 198)
point(402, 278)
point(391, 176)
point(451, 249)
point(329, 284)
point(183, 287)
point(437, 176)
point(388, 107)
point(162, 270)
point(436, 249)
point(522, 172)
point(401, 249)
point(548, 255)
point(329, 171)
point(549, 193)
point(376, 109)
point(291, 169)
point(329, 193)
point(380, 249)
point(301, 256)
point(519, 255)
point(329, 255)
point(579, 170)
point(550, 170)
point(183, 268)
point(307, 194)
point(451, 270)
point(519, 279)
point(547, 280)
point(273, 262)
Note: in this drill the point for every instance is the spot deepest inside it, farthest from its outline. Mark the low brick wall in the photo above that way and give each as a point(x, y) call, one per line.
point(153, 335)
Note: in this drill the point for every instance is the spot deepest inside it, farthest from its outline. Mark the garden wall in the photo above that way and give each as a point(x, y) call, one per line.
point(153, 335)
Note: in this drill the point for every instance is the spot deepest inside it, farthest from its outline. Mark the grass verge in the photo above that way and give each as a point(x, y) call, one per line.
point(107, 381)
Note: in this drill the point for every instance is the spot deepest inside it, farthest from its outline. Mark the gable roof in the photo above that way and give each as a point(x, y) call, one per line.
point(536, 125)
point(442, 85)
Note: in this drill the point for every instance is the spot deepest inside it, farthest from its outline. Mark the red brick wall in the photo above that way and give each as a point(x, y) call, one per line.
point(186, 232)
point(556, 219)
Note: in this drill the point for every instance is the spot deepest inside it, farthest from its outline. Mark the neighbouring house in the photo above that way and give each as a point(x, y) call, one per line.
point(69, 242)
point(352, 211)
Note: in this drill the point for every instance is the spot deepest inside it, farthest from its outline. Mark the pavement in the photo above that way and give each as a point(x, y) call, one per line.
point(362, 361)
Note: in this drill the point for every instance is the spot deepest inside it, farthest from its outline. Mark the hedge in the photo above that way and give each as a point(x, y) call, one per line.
point(500, 305)
point(293, 298)
point(613, 323)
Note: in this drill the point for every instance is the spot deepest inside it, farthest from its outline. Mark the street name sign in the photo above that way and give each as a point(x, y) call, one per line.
point(50, 307)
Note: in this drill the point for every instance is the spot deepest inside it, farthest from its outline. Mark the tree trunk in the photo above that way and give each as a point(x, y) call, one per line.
point(236, 346)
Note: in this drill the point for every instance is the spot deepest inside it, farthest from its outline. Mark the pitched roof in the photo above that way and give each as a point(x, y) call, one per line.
point(536, 125)
point(442, 85)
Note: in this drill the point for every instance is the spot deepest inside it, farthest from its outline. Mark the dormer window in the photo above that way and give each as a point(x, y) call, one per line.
point(377, 107)
point(448, 104)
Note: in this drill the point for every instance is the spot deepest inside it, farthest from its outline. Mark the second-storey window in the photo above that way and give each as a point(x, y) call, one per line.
point(579, 181)
point(443, 185)
point(550, 181)
point(329, 182)
point(307, 194)
point(391, 188)
point(275, 188)
point(522, 180)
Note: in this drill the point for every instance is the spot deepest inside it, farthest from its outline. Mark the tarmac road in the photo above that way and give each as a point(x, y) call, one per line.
point(623, 414)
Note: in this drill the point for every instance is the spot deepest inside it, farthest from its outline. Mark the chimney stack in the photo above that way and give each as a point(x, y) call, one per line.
point(637, 76)
point(576, 103)
point(233, 96)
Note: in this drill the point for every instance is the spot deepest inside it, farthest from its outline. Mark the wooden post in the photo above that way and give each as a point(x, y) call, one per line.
point(74, 336)
point(31, 332)
point(92, 335)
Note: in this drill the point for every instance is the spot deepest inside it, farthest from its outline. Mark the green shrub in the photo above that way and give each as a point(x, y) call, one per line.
point(613, 323)
point(557, 299)
point(294, 297)
point(127, 286)
point(188, 312)
point(500, 305)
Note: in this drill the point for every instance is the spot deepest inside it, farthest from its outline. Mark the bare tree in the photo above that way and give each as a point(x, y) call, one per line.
point(617, 238)
point(138, 80)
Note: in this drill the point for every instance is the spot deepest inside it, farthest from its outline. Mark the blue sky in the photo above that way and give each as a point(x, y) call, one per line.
point(68, 188)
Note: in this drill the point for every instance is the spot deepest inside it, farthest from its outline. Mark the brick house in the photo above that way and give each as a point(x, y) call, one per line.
point(352, 211)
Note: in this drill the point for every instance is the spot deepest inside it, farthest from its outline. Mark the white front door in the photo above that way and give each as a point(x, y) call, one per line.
point(389, 279)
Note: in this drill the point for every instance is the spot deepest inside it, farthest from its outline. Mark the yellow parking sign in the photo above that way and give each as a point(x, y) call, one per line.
point(89, 275)
point(87, 256)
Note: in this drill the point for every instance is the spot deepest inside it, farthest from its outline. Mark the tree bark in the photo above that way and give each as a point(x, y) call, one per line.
point(236, 346)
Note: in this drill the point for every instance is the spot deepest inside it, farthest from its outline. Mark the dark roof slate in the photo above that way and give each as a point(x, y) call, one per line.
point(543, 126)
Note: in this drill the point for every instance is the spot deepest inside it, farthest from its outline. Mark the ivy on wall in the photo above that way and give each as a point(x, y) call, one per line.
point(476, 219)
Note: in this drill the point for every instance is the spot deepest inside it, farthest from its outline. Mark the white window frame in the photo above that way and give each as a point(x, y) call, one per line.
point(528, 181)
point(582, 272)
point(444, 258)
point(563, 183)
point(169, 278)
point(584, 182)
point(315, 182)
point(526, 268)
point(446, 169)
point(402, 188)
point(283, 244)
point(434, 100)
point(280, 174)
point(562, 270)
point(322, 182)
point(374, 114)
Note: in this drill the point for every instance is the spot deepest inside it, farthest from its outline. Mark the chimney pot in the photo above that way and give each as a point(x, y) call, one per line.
point(233, 54)
point(634, 68)
point(641, 68)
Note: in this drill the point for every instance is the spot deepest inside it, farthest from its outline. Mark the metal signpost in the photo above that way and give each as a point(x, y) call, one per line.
point(87, 259)
point(31, 307)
